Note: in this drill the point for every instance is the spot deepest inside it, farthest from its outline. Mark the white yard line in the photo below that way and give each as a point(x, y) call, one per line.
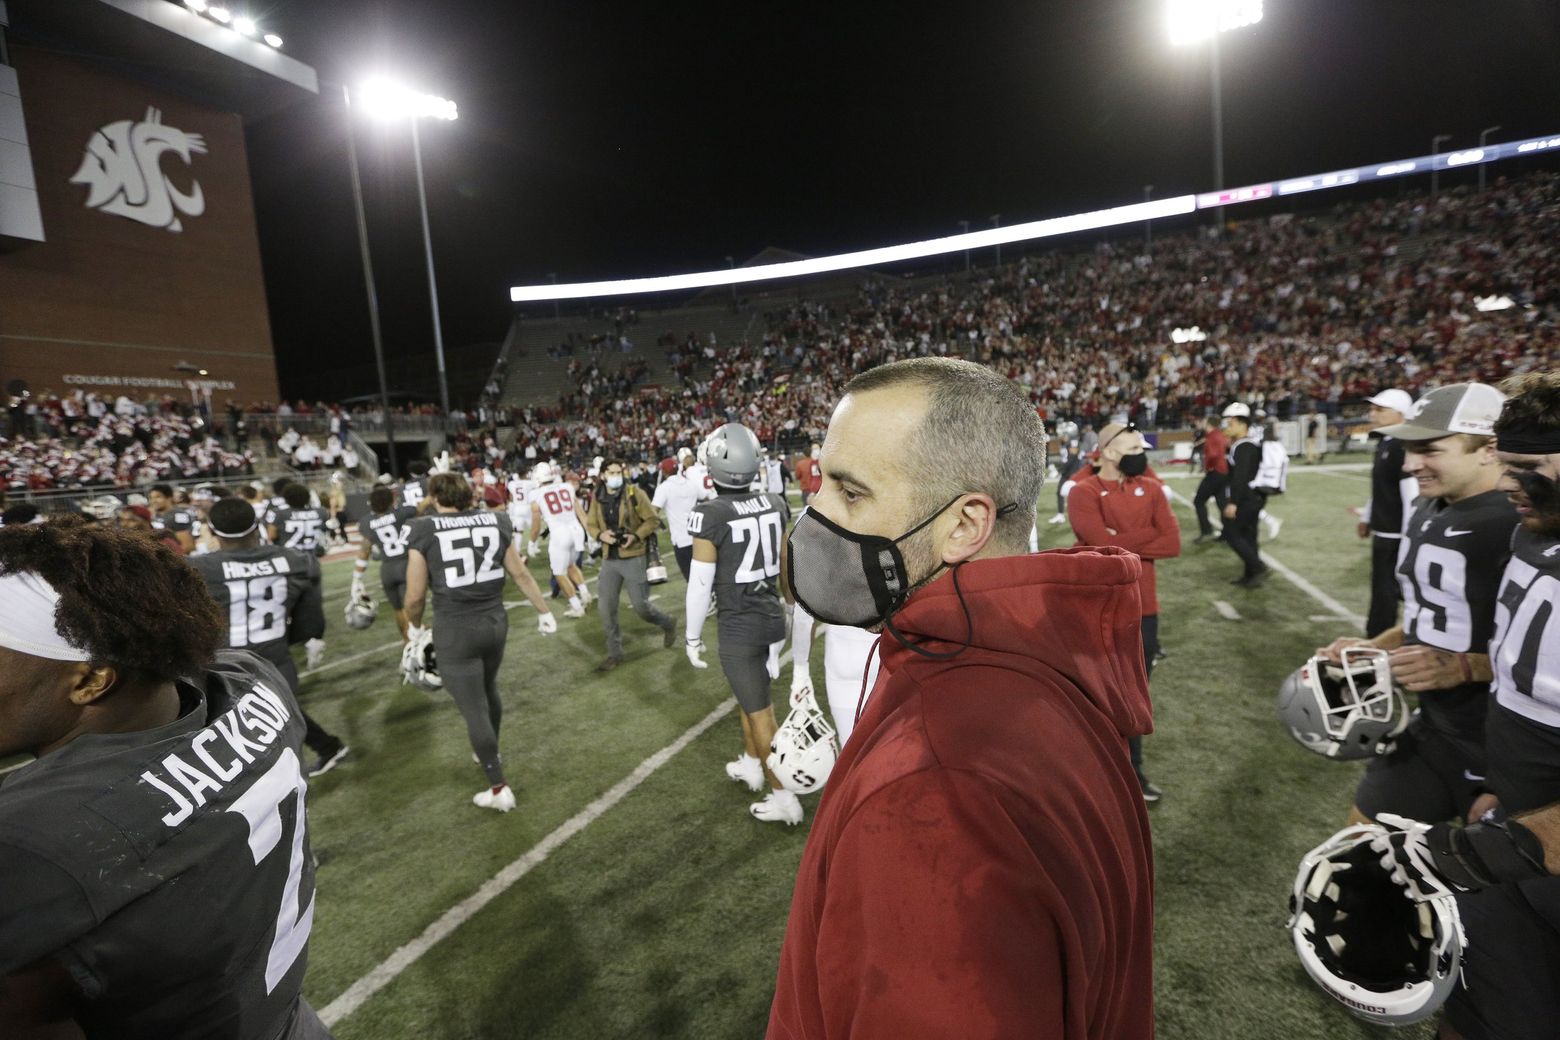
point(392, 966)
point(1226, 611)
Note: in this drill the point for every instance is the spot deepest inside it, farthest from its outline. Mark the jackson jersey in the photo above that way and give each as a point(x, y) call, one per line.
point(556, 503)
point(269, 596)
point(747, 531)
point(390, 532)
point(301, 529)
point(465, 556)
point(1449, 569)
point(169, 870)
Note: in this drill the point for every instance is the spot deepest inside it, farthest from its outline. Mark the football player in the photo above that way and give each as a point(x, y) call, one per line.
point(737, 538)
point(270, 595)
point(301, 526)
point(155, 872)
point(677, 496)
point(415, 489)
point(849, 667)
point(385, 527)
point(1453, 549)
point(168, 515)
point(554, 499)
point(461, 553)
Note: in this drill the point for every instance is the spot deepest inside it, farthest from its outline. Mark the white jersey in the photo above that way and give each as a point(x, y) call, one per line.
point(678, 494)
point(520, 502)
point(775, 480)
point(556, 503)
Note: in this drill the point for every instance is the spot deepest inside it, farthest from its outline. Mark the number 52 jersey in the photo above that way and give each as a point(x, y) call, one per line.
point(747, 531)
point(465, 556)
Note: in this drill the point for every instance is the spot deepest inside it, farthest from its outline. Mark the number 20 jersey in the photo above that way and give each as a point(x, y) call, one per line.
point(465, 557)
point(747, 531)
point(168, 870)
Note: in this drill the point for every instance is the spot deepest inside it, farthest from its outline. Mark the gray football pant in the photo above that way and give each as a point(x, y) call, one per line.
point(470, 648)
point(615, 574)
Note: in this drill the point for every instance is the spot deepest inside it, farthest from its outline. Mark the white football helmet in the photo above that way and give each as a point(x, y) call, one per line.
point(104, 507)
point(542, 473)
point(1364, 939)
point(361, 610)
point(419, 665)
point(1345, 711)
point(804, 748)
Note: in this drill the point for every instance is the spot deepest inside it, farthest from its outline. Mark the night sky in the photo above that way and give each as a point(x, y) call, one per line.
point(601, 140)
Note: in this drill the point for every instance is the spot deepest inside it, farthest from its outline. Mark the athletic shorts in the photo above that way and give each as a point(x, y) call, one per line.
point(564, 543)
point(392, 578)
point(747, 670)
point(1511, 965)
point(1426, 777)
point(846, 653)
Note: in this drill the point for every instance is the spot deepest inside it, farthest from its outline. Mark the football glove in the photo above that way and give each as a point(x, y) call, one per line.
point(531, 548)
point(359, 591)
point(1430, 861)
point(695, 648)
point(547, 624)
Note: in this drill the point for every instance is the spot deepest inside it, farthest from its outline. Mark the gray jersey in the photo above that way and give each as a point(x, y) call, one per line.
point(414, 491)
point(465, 555)
point(747, 531)
point(392, 533)
point(269, 596)
point(301, 529)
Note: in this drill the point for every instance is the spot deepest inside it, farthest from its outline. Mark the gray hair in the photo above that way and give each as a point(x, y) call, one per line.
point(980, 434)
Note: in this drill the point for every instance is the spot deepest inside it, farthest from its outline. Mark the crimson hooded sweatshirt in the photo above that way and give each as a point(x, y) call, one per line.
point(980, 865)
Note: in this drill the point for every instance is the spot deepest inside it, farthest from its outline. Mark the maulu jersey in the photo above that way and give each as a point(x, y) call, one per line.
point(465, 556)
point(556, 502)
point(301, 529)
point(169, 869)
point(1449, 568)
point(1524, 726)
point(747, 531)
point(269, 597)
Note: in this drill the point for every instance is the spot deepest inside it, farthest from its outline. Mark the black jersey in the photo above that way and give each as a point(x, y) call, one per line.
point(389, 531)
point(1449, 568)
point(1387, 502)
point(747, 531)
point(169, 870)
point(270, 598)
point(465, 555)
point(176, 519)
point(1524, 727)
point(413, 492)
point(302, 529)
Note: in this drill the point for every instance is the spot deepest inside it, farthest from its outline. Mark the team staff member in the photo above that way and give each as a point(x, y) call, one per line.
point(808, 475)
point(621, 518)
point(1215, 482)
point(678, 494)
point(1243, 511)
point(1119, 504)
point(958, 881)
point(1392, 493)
point(155, 872)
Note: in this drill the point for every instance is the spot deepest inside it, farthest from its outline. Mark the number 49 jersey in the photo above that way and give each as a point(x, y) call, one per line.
point(168, 870)
point(465, 556)
point(747, 531)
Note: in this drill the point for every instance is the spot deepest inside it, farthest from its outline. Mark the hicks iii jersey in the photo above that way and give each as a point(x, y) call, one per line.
point(1449, 567)
point(270, 597)
point(748, 531)
point(465, 555)
point(168, 870)
point(1524, 728)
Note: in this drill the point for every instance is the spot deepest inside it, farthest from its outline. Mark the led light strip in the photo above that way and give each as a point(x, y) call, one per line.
point(241, 24)
point(1101, 218)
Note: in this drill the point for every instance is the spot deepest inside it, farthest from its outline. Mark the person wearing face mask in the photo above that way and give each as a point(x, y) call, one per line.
point(621, 517)
point(979, 864)
point(1120, 504)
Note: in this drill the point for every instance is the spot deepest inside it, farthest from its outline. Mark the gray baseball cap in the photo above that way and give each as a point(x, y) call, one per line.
point(1447, 410)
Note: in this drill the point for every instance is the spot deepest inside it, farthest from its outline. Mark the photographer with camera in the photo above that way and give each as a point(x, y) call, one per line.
point(622, 518)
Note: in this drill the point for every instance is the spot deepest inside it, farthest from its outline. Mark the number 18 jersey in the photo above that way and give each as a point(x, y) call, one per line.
point(260, 591)
point(465, 556)
point(747, 531)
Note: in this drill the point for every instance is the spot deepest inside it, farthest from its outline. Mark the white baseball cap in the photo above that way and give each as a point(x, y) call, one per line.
point(1400, 401)
point(1237, 411)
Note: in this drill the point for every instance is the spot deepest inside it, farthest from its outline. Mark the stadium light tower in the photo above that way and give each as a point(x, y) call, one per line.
point(387, 100)
point(1484, 140)
point(1193, 21)
point(1435, 174)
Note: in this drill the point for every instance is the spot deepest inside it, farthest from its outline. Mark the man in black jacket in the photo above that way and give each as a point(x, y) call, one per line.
point(1390, 492)
point(1243, 508)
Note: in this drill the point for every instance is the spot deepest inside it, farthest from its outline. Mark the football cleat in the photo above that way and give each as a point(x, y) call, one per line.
point(778, 807)
point(578, 611)
point(585, 595)
point(502, 801)
point(746, 770)
point(328, 760)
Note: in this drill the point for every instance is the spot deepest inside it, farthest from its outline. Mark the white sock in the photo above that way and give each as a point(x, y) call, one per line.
point(574, 602)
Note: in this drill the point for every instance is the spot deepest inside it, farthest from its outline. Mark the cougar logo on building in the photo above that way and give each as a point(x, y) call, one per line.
point(122, 172)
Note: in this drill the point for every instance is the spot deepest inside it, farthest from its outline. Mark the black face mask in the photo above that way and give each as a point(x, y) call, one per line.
point(1133, 465)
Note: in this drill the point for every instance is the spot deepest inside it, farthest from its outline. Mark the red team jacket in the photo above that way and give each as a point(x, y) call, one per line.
point(979, 866)
point(1137, 510)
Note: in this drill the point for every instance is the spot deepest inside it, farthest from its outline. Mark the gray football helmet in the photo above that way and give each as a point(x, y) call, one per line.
point(731, 454)
point(1345, 711)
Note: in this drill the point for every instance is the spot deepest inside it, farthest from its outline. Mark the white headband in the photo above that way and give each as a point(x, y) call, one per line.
point(27, 608)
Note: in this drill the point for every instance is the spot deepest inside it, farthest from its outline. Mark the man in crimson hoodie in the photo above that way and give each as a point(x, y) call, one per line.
point(1121, 502)
point(979, 866)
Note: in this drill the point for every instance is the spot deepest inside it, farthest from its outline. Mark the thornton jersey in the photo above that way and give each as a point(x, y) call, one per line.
point(465, 557)
point(556, 503)
point(1449, 568)
point(1524, 726)
point(269, 597)
point(390, 532)
point(747, 531)
point(169, 870)
point(302, 529)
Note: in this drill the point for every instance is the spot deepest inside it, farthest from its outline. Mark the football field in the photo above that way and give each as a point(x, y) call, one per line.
point(631, 895)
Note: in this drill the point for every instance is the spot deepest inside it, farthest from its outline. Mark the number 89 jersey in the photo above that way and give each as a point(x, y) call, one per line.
point(747, 531)
point(465, 556)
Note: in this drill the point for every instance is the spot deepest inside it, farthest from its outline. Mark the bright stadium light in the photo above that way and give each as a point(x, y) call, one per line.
point(245, 26)
point(385, 99)
point(198, 6)
point(1190, 21)
point(273, 39)
point(221, 14)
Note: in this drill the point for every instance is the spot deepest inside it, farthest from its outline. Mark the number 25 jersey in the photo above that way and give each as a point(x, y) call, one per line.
point(465, 556)
point(747, 531)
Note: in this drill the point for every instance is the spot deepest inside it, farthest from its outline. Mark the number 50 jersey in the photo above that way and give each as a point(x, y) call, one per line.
point(465, 556)
point(747, 531)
